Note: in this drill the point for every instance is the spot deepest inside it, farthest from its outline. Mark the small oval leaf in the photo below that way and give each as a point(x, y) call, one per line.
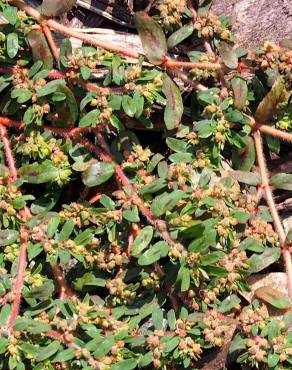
point(152, 38)
point(174, 104)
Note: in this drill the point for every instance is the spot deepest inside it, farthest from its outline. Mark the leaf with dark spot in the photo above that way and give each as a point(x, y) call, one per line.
point(142, 240)
point(152, 38)
point(258, 262)
point(180, 35)
point(240, 91)
point(8, 237)
point(282, 181)
point(243, 159)
point(272, 296)
point(174, 104)
point(268, 105)
point(40, 48)
point(228, 55)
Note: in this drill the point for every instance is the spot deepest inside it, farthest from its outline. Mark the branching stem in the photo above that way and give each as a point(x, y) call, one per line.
point(270, 201)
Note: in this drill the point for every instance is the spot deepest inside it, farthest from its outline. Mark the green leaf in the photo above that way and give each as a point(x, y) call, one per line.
point(157, 318)
point(185, 279)
point(12, 44)
point(98, 173)
point(106, 346)
point(274, 144)
point(196, 230)
point(252, 245)
point(138, 100)
point(39, 173)
point(89, 280)
point(31, 326)
point(66, 355)
point(10, 13)
point(154, 186)
point(8, 237)
point(90, 119)
point(237, 344)
point(228, 55)
point(107, 202)
point(51, 87)
point(282, 181)
point(131, 215)
point(240, 90)
point(129, 105)
point(154, 253)
point(273, 296)
point(85, 72)
point(209, 96)
point(212, 258)
point(258, 262)
point(48, 351)
point(128, 364)
point(176, 145)
point(205, 128)
point(152, 38)
point(174, 104)
point(268, 105)
point(273, 359)
point(166, 202)
point(229, 303)
point(180, 35)
point(22, 95)
point(40, 48)
point(53, 226)
point(178, 158)
point(3, 345)
point(4, 314)
point(171, 319)
point(142, 240)
point(249, 178)
point(84, 237)
point(35, 68)
point(66, 230)
point(170, 344)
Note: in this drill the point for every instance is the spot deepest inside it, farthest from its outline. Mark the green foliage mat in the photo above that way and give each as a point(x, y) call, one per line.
point(131, 212)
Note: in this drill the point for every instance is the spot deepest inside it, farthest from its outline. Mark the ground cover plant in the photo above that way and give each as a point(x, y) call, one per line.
point(135, 206)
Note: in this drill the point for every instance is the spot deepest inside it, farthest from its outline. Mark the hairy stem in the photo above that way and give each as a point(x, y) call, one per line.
point(270, 201)
point(268, 130)
point(54, 49)
point(17, 288)
point(200, 65)
point(8, 152)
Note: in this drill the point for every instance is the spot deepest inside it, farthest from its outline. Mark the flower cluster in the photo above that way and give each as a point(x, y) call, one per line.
point(171, 11)
point(211, 26)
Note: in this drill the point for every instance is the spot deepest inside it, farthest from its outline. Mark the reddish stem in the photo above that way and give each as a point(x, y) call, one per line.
point(64, 290)
point(8, 152)
point(47, 32)
point(270, 200)
point(19, 279)
point(91, 41)
point(268, 130)
point(200, 65)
